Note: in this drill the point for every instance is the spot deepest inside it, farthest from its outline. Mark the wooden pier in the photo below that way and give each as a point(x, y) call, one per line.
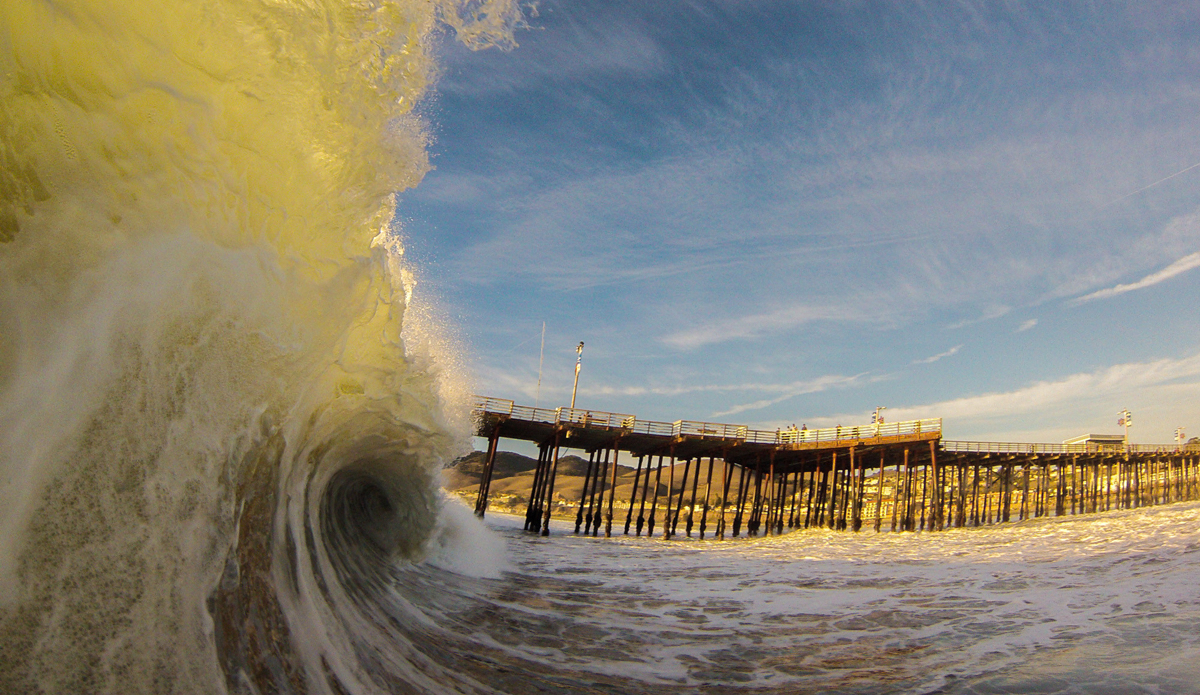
point(901, 476)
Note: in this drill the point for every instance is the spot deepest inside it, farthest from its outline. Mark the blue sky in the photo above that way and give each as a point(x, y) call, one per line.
point(792, 212)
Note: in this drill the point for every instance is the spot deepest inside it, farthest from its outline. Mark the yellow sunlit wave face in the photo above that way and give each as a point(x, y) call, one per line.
point(289, 123)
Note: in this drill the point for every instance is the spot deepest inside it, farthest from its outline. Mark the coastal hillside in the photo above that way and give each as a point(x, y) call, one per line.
point(512, 479)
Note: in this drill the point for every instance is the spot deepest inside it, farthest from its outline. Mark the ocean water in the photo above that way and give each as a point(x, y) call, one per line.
point(1089, 604)
point(223, 410)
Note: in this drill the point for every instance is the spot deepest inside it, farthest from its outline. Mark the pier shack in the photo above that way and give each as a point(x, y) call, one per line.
point(898, 476)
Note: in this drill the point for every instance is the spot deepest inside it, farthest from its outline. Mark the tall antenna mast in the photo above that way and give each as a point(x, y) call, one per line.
point(541, 356)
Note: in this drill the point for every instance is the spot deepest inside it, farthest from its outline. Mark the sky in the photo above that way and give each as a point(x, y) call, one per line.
point(775, 213)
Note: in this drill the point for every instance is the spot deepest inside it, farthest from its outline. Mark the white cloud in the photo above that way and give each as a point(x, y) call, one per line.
point(941, 355)
point(1026, 325)
point(1178, 267)
point(1163, 393)
point(1042, 395)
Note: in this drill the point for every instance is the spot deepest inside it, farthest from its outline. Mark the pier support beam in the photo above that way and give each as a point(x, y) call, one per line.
point(583, 495)
point(707, 497)
point(856, 491)
point(485, 475)
point(879, 492)
point(550, 490)
point(728, 477)
point(654, 505)
point(612, 493)
point(633, 497)
point(692, 505)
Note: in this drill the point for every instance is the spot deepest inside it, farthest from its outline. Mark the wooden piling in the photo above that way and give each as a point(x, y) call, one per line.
point(936, 500)
point(895, 495)
point(781, 492)
point(739, 504)
point(485, 475)
point(533, 511)
point(975, 495)
point(683, 483)
point(707, 497)
point(667, 530)
point(583, 495)
point(817, 502)
point(909, 521)
point(1023, 512)
point(641, 519)
point(637, 476)
point(756, 508)
point(833, 493)
point(809, 494)
point(879, 494)
point(794, 500)
point(550, 490)
point(595, 507)
point(612, 493)
point(728, 478)
point(856, 478)
point(925, 495)
point(654, 505)
point(1008, 482)
point(692, 505)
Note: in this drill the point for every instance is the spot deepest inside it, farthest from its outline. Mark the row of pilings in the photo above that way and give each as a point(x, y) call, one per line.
point(896, 488)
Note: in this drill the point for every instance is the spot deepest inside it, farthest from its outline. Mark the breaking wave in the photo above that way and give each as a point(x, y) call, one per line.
point(221, 414)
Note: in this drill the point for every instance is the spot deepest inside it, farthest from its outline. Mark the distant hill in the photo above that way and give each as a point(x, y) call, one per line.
point(512, 478)
point(466, 470)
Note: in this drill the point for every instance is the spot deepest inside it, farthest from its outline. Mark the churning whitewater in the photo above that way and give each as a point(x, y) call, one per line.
point(222, 420)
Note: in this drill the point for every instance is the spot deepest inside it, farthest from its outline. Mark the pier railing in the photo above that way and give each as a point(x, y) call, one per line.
point(594, 418)
point(1083, 448)
point(742, 433)
point(839, 433)
point(695, 428)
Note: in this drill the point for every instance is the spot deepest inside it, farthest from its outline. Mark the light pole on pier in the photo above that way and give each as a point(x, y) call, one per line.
point(877, 418)
point(578, 365)
point(1126, 420)
point(1179, 437)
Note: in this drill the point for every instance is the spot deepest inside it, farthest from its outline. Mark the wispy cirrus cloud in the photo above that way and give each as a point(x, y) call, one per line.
point(506, 381)
point(684, 181)
point(1179, 267)
point(1152, 185)
point(991, 312)
point(821, 383)
point(940, 356)
point(800, 388)
point(755, 325)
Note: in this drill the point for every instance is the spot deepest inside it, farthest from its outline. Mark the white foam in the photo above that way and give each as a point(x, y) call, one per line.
point(464, 544)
